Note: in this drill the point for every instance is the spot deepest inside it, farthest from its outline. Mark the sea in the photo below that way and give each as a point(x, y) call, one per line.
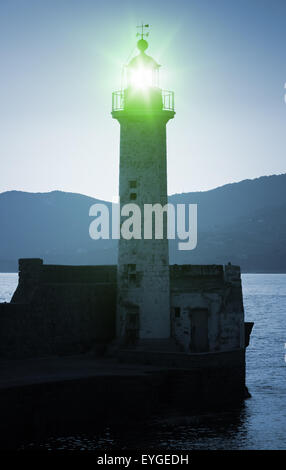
point(259, 424)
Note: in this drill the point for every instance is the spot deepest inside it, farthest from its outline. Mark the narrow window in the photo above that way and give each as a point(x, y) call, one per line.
point(133, 196)
point(131, 268)
point(133, 184)
point(177, 312)
point(132, 277)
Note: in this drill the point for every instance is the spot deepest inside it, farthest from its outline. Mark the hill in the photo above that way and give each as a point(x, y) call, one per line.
point(242, 222)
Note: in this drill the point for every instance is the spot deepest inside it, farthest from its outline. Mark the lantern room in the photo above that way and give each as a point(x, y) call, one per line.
point(140, 90)
point(142, 70)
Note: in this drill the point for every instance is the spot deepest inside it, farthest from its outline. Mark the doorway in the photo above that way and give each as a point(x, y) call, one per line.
point(199, 331)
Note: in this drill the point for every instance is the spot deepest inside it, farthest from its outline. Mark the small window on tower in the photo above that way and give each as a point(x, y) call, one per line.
point(133, 184)
point(131, 268)
point(133, 196)
point(177, 312)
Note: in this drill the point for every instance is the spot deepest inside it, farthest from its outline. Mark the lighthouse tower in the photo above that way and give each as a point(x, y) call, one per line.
point(143, 110)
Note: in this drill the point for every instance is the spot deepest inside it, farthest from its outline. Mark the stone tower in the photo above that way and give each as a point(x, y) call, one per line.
point(143, 110)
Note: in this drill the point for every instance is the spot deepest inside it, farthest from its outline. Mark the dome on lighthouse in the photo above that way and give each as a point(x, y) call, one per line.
point(142, 59)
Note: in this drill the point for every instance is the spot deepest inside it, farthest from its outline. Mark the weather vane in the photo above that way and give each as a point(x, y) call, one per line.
point(143, 29)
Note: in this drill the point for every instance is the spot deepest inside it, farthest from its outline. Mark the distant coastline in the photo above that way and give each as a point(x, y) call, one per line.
point(243, 223)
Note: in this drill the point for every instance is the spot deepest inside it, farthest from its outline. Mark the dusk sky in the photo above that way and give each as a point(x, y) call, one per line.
point(61, 60)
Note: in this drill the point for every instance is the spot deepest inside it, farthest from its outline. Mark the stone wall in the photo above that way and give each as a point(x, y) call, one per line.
point(72, 309)
point(59, 310)
point(207, 308)
point(143, 265)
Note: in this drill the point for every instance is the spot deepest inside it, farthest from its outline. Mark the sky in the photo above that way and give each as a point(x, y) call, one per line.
point(60, 60)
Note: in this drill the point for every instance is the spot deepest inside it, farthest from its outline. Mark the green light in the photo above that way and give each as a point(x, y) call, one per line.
point(140, 90)
point(142, 70)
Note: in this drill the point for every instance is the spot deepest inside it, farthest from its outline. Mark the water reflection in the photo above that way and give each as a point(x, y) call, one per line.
point(220, 430)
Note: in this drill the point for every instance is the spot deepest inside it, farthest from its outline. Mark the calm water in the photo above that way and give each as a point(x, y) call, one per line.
point(260, 424)
point(8, 284)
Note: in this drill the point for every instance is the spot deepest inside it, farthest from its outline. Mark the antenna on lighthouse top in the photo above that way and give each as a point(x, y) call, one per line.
point(144, 31)
point(142, 44)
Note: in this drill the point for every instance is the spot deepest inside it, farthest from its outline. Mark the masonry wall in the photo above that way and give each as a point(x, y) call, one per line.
point(212, 292)
point(59, 310)
point(143, 265)
point(72, 309)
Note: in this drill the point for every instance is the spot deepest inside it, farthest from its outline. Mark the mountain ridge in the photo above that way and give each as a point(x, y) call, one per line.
point(242, 222)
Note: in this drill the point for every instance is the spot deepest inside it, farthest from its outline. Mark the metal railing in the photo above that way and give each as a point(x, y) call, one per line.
point(168, 100)
point(118, 100)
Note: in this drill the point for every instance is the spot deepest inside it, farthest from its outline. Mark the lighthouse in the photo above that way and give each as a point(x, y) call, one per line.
point(185, 320)
point(143, 110)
